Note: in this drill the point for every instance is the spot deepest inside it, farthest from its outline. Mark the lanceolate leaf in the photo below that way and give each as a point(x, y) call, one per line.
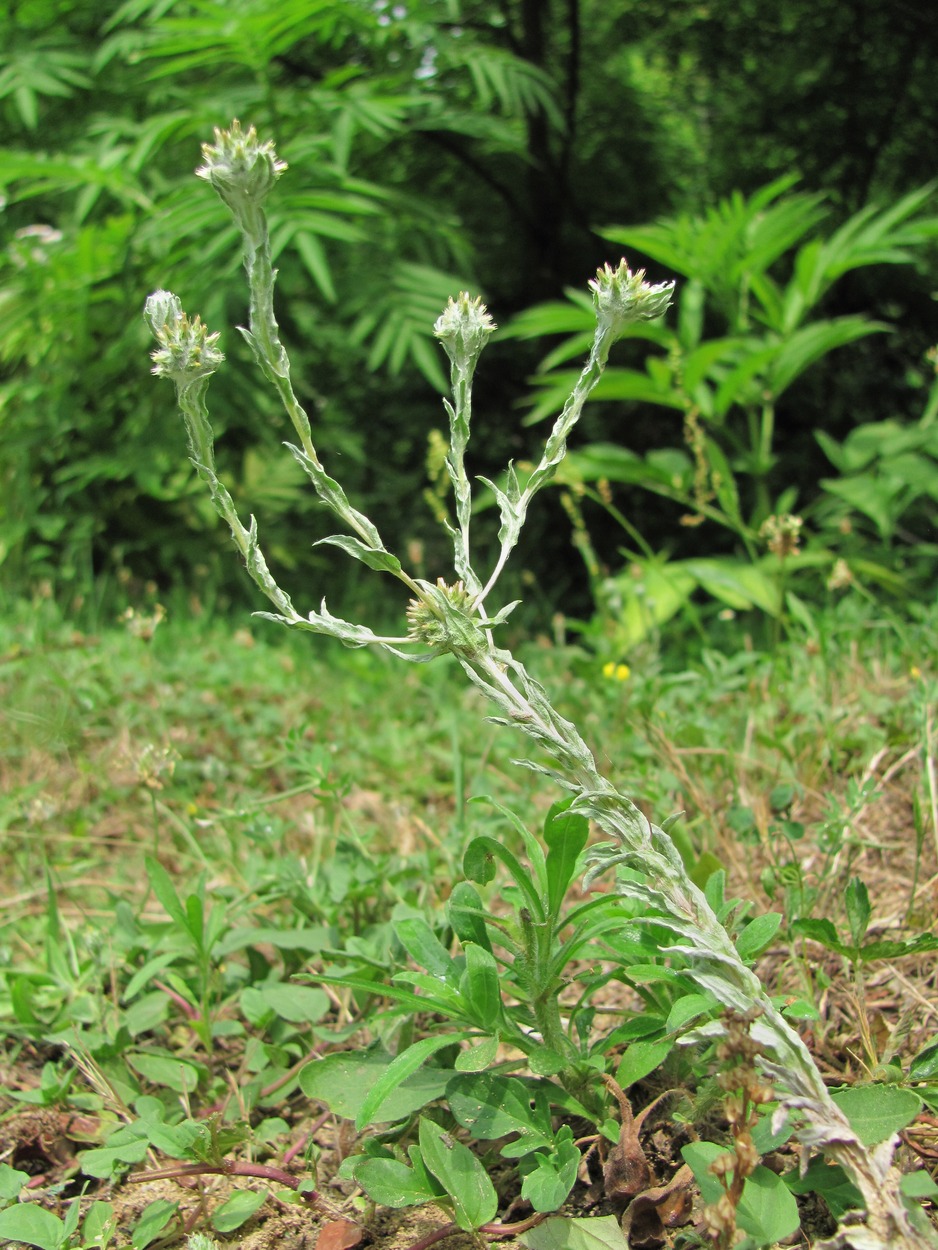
point(566, 834)
point(375, 557)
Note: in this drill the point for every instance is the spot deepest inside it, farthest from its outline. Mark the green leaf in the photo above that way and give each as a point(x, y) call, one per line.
point(466, 914)
point(811, 342)
point(757, 935)
point(391, 1183)
point(175, 1074)
point(821, 931)
point(924, 1066)
point(475, 1201)
point(313, 256)
point(480, 1056)
point(479, 865)
point(403, 1066)
point(342, 1082)
point(563, 1233)
point(642, 1058)
point(918, 1185)
point(767, 1209)
point(178, 1140)
point(375, 557)
point(124, 1147)
point(11, 1182)
point(155, 1218)
point(424, 947)
point(480, 985)
point(299, 1004)
point(876, 1112)
point(162, 886)
point(739, 585)
point(687, 1008)
point(830, 1181)
point(649, 600)
point(237, 1210)
point(857, 901)
point(98, 1221)
point(492, 1106)
point(565, 834)
point(32, 1224)
point(554, 1173)
point(891, 948)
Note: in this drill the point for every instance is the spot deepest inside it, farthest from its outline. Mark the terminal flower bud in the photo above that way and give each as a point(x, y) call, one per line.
point(621, 297)
point(240, 168)
point(186, 350)
point(463, 329)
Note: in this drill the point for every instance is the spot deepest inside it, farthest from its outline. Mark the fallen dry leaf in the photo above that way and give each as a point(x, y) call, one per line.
point(338, 1235)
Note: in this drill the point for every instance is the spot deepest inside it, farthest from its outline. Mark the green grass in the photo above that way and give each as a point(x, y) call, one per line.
point(311, 798)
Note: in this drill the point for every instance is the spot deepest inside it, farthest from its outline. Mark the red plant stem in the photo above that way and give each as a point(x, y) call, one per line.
point(297, 1146)
point(183, 1004)
point(262, 1170)
point(492, 1231)
point(512, 1230)
point(438, 1234)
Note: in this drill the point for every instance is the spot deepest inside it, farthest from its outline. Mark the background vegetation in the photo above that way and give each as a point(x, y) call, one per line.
point(432, 146)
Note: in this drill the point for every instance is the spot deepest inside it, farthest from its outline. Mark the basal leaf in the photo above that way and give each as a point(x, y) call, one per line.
point(475, 1201)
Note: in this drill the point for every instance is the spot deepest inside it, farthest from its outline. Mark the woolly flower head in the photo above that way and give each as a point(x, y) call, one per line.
point(621, 297)
point(240, 168)
point(463, 329)
point(186, 350)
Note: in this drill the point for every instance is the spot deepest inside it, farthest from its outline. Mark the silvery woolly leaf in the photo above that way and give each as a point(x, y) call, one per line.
point(375, 557)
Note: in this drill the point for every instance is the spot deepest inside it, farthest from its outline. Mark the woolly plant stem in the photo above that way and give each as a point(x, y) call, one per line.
point(449, 619)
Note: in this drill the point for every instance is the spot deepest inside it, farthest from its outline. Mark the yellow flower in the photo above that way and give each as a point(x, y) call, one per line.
point(616, 672)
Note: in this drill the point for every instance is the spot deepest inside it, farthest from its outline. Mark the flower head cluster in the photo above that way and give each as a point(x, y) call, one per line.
point(186, 350)
point(621, 297)
point(463, 329)
point(782, 534)
point(240, 168)
point(444, 620)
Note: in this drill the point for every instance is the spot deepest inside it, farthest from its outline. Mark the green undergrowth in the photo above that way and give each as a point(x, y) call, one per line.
point(229, 862)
